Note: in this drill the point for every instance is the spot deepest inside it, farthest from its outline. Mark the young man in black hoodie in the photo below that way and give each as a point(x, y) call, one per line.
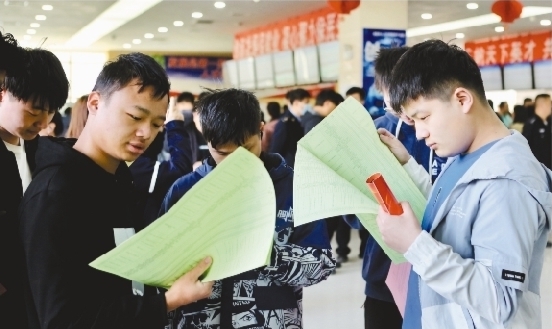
point(34, 89)
point(81, 198)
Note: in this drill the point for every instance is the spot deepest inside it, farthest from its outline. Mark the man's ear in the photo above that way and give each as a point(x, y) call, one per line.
point(3, 95)
point(93, 102)
point(464, 98)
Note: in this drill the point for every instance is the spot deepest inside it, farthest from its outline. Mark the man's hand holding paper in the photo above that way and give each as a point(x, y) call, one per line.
point(399, 231)
point(332, 164)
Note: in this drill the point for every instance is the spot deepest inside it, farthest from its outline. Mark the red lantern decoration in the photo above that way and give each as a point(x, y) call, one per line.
point(343, 6)
point(508, 10)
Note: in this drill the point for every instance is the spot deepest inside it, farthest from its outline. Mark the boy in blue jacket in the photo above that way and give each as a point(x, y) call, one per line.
point(478, 257)
point(270, 296)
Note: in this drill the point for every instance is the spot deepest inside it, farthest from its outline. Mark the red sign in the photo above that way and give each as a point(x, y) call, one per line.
point(509, 49)
point(305, 30)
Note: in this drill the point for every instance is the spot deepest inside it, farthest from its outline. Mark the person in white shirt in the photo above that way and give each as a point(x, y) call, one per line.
point(29, 97)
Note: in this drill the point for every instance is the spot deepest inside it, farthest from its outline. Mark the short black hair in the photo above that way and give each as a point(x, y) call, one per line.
point(11, 59)
point(356, 90)
point(118, 74)
point(520, 114)
point(274, 109)
point(185, 97)
point(541, 96)
point(229, 116)
point(58, 121)
point(491, 103)
point(328, 95)
point(384, 63)
point(298, 94)
point(202, 94)
point(42, 80)
point(502, 104)
point(527, 100)
point(433, 69)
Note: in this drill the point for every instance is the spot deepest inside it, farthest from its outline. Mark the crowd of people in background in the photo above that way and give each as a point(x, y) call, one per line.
point(532, 119)
point(121, 156)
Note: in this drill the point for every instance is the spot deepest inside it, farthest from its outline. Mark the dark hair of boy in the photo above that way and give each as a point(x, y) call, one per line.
point(42, 81)
point(384, 63)
point(298, 94)
point(541, 96)
point(433, 70)
point(10, 55)
point(356, 90)
point(491, 104)
point(328, 95)
point(185, 97)
point(520, 114)
point(229, 116)
point(118, 74)
point(202, 94)
point(274, 110)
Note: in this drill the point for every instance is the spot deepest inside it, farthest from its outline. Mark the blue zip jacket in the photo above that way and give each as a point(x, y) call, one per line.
point(270, 296)
point(375, 262)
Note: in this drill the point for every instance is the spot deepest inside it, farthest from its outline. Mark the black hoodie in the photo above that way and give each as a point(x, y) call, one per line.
point(12, 308)
point(67, 218)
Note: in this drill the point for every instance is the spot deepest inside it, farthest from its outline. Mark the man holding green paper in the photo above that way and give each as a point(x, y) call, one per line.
point(269, 296)
point(82, 194)
point(477, 259)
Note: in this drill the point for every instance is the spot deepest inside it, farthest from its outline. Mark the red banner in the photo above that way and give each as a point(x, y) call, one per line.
point(509, 49)
point(305, 30)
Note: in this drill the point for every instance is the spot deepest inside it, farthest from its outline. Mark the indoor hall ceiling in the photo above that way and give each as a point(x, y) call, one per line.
point(215, 30)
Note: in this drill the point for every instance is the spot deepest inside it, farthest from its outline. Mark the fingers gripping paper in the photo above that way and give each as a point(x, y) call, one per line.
point(331, 166)
point(228, 215)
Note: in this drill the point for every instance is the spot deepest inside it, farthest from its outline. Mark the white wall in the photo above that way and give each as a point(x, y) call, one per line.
point(513, 97)
point(82, 69)
point(193, 85)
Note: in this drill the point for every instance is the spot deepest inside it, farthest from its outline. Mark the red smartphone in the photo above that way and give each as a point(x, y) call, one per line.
point(383, 194)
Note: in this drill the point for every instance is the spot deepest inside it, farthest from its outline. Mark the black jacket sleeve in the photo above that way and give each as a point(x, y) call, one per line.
point(63, 290)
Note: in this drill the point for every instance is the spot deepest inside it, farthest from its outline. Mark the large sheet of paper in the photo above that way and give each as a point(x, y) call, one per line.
point(228, 215)
point(332, 164)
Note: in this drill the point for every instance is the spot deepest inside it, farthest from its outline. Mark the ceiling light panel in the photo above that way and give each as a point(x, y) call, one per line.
point(487, 19)
point(112, 18)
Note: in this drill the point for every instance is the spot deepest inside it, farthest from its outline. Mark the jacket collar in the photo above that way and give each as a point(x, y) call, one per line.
point(274, 163)
point(510, 158)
